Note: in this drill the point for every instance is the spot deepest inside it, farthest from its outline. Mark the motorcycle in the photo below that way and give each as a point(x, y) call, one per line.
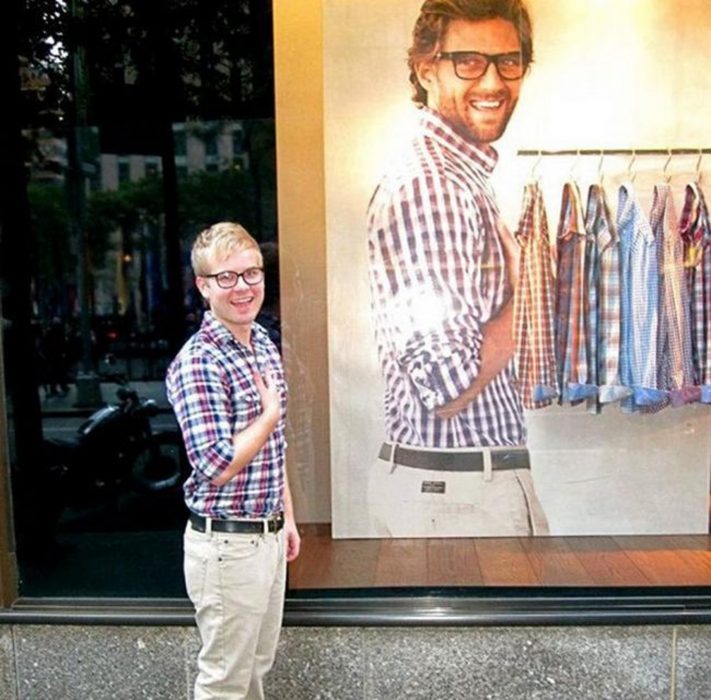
point(116, 450)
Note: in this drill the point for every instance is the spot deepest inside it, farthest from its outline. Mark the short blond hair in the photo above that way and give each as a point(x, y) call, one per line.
point(219, 241)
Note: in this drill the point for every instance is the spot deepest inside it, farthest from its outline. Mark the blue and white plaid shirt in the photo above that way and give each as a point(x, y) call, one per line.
point(437, 277)
point(211, 387)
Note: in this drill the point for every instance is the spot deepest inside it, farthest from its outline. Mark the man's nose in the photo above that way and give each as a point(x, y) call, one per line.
point(491, 78)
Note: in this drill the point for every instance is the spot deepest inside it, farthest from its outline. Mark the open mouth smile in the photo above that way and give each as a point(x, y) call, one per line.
point(486, 105)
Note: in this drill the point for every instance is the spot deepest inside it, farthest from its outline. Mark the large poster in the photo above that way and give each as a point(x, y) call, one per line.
point(625, 79)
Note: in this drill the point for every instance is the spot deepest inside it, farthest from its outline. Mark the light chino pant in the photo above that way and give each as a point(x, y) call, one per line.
point(236, 583)
point(403, 503)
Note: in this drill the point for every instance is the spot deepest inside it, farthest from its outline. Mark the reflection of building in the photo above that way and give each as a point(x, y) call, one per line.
point(134, 272)
point(129, 268)
point(207, 146)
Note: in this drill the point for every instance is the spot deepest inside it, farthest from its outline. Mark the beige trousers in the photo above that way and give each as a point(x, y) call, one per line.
point(236, 583)
point(408, 502)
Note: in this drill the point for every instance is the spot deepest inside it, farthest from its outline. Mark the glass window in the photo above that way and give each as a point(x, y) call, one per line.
point(122, 168)
point(100, 295)
point(624, 494)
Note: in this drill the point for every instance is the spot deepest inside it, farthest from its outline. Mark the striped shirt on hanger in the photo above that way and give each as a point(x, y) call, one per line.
point(675, 366)
point(437, 277)
point(640, 311)
point(695, 230)
point(534, 305)
point(603, 263)
point(572, 302)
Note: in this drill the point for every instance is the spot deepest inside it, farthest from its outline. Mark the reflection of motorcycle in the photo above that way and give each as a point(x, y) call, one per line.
point(116, 450)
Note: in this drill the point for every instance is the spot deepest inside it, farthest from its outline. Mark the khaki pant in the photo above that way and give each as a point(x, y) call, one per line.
point(236, 583)
point(411, 502)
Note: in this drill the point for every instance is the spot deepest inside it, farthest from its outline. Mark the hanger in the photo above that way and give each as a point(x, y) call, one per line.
point(667, 177)
point(600, 171)
point(630, 173)
point(699, 173)
point(535, 176)
point(573, 166)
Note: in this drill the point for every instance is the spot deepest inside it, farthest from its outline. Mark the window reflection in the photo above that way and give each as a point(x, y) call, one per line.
point(109, 488)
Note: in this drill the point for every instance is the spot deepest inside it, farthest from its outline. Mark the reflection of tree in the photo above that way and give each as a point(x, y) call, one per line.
point(134, 210)
point(122, 72)
point(219, 67)
point(141, 67)
point(207, 197)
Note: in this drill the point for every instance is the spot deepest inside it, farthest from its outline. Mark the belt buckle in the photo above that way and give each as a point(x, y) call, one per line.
point(271, 524)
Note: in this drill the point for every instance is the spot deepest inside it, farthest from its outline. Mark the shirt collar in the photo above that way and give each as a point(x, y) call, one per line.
point(219, 334)
point(437, 127)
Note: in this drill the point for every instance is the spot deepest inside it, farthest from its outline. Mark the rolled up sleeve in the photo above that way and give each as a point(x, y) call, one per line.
point(428, 272)
point(197, 392)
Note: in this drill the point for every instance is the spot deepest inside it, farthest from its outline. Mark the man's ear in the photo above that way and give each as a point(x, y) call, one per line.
point(201, 284)
point(425, 72)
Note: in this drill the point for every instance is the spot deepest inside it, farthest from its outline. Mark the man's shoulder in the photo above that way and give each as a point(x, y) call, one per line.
point(200, 349)
point(421, 164)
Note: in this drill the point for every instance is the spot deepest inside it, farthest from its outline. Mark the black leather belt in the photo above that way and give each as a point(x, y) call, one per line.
point(255, 527)
point(501, 458)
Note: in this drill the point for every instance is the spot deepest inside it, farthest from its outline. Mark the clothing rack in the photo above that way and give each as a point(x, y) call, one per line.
point(633, 152)
point(617, 152)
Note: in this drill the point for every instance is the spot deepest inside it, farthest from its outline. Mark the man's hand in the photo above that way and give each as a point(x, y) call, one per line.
point(452, 408)
point(497, 349)
point(292, 538)
point(269, 395)
point(248, 441)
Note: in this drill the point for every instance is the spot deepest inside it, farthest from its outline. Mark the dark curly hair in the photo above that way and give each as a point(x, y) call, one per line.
point(435, 16)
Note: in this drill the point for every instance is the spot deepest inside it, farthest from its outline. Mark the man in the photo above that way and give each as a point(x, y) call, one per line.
point(227, 388)
point(442, 270)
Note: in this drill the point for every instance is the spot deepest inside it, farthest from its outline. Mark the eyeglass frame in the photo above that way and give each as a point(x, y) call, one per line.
point(490, 58)
point(239, 275)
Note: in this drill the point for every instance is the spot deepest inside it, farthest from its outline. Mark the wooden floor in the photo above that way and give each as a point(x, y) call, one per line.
point(673, 560)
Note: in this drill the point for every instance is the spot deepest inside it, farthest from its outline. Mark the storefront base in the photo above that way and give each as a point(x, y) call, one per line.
point(381, 663)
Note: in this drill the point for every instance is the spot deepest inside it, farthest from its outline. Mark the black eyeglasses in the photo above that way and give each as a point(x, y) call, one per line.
point(228, 279)
point(470, 65)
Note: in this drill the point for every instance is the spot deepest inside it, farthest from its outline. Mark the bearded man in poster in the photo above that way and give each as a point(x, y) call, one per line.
point(442, 270)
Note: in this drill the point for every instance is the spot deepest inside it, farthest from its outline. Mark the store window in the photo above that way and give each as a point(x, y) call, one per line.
point(623, 490)
point(614, 489)
point(122, 169)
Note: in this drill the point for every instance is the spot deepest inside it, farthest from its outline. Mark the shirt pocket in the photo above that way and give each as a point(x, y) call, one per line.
point(246, 406)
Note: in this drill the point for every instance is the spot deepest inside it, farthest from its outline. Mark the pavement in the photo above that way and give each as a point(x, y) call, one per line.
point(69, 403)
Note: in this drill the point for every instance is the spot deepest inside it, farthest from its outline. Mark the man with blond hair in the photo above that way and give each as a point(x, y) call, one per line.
point(227, 388)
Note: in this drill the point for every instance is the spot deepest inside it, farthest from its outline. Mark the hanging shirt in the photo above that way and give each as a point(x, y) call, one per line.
point(572, 309)
point(437, 276)
point(604, 295)
point(695, 231)
point(675, 366)
point(534, 305)
point(640, 303)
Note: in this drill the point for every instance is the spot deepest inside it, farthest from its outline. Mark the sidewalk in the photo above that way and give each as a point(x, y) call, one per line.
point(67, 403)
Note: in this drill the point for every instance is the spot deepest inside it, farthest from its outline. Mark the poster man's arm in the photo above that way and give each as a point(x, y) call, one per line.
point(497, 346)
point(497, 349)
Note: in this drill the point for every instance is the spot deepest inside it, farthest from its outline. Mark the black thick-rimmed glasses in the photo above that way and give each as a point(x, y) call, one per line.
point(470, 65)
point(228, 278)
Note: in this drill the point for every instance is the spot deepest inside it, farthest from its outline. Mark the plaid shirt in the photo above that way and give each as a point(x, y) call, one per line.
point(211, 388)
point(533, 305)
point(572, 302)
point(437, 277)
point(605, 318)
point(695, 230)
point(640, 311)
point(675, 371)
